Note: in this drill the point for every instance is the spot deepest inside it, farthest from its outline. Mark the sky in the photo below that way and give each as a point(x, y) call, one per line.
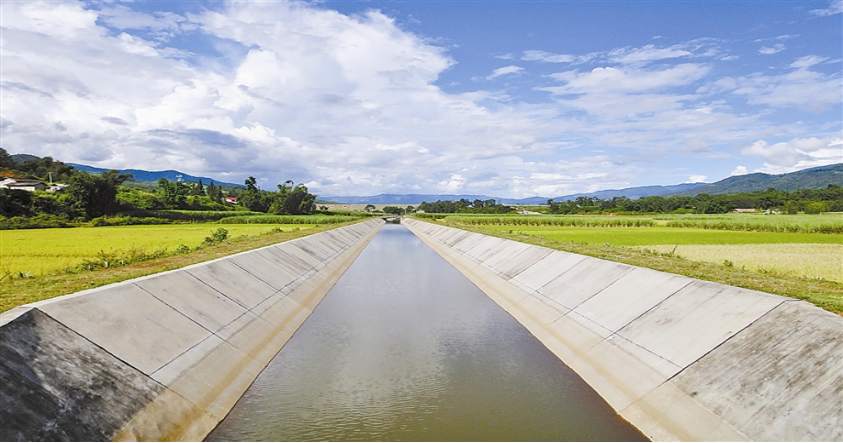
point(501, 98)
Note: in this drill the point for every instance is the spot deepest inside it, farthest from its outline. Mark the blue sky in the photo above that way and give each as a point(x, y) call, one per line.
point(503, 98)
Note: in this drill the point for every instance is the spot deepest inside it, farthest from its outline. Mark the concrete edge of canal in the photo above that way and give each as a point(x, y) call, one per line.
point(163, 357)
point(679, 358)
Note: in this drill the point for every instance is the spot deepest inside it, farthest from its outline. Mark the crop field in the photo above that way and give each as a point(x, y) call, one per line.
point(815, 261)
point(37, 252)
point(805, 246)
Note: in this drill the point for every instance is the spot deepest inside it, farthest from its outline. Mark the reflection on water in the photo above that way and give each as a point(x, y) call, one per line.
point(406, 348)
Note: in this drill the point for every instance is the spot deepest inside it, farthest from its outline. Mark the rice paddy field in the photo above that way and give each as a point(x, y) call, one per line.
point(38, 252)
point(807, 246)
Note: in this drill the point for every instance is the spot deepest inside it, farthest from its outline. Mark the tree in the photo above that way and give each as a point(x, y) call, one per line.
point(173, 193)
point(6, 160)
point(369, 208)
point(251, 197)
point(94, 195)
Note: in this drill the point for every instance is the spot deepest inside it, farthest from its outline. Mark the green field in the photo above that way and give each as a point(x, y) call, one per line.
point(37, 252)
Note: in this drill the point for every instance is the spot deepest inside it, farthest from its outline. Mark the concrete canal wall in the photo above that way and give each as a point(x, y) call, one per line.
point(163, 357)
point(681, 359)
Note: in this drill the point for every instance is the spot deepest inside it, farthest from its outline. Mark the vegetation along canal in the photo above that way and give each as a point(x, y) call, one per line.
point(406, 348)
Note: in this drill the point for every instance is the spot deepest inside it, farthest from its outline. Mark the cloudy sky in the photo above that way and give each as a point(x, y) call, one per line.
point(502, 98)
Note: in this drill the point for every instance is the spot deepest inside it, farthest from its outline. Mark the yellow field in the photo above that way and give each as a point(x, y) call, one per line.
point(44, 251)
point(823, 261)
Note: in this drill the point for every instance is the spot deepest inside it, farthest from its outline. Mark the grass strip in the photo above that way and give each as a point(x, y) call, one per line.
point(825, 294)
point(29, 290)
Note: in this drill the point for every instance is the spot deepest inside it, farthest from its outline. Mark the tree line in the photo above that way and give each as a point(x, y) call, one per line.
point(810, 201)
point(466, 206)
point(89, 196)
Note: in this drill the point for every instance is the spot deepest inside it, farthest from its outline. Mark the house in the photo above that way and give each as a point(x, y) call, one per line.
point(232, 200)
point(23, 184)
point(742, 210)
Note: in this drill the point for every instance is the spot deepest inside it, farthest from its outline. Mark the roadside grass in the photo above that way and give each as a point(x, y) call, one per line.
point(813, 261)
point(31, 253)
point(16, 292)
point(823, 293)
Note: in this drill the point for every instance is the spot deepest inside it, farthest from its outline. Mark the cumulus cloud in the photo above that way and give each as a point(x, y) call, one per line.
point(798, 153)
point(350, 104)
point(740, 170)
point(801, 87)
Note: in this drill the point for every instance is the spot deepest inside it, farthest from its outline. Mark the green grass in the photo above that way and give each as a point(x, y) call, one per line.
point(39, 252)
point(15, 292)
point(663, 235)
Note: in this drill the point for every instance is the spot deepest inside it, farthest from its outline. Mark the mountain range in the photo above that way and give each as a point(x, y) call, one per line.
point(140, 175)
point(812, 178)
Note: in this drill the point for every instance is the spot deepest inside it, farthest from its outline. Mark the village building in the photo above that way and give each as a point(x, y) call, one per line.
point(23, 184)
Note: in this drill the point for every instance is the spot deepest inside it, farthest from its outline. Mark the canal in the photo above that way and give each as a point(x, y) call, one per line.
point(404, 347)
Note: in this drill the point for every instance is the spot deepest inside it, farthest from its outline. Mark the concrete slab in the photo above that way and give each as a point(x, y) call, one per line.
point(630, 297)
point(508, 253)
point(204, 383)
point(313, 248)
point(299, 254)
point(795, 390)
point(522, 261)
point(541, 311)
point(282, 260)
point(264, 269)
point(679, 418)
point(493, 249)
point(194, 299)
point(583, 280)
point(58, 386)
point(469, 241)
point(130, 324)
point(233, 281)
point(546, 270)
point(577, 333)
point(696, 319)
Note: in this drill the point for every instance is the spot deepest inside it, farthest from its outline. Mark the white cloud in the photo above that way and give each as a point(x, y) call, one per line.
point(506, 70)
point(548, 57)
point(740, 170)
point(835, 7)
point(697, 178)
point(802, 87)
point(766, 50)
point(646, 54)
point(350, 105)
point(798, 153)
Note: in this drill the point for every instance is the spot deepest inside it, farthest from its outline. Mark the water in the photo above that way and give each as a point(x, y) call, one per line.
point(404, 347)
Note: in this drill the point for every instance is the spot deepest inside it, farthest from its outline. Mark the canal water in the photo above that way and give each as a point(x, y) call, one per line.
point(404, 347)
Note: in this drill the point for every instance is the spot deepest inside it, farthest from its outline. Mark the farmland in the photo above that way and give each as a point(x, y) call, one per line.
point(793, 255)
point(139, 246)
point(45, 251)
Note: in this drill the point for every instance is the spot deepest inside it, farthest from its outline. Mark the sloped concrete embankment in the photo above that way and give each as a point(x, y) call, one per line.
point(163, 357)
point(679, 358)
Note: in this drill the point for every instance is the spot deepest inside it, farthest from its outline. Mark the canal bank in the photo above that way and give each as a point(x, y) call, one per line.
point(405, 348)
point(162, 357)
point(681, 359)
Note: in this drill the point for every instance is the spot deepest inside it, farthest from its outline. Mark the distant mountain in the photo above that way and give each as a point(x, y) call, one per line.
point(401, 199)
point(633, 193)
point(20, 158)
point(813, 178)
point(153, 176)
